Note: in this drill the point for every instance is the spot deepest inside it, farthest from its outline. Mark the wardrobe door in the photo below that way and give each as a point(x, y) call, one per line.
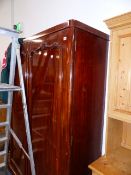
point(46, 82)
point(48, 89)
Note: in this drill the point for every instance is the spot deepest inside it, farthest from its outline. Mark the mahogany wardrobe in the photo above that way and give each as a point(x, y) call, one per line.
point(64, 70)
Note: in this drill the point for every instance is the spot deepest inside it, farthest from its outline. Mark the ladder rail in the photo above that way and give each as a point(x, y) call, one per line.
point(26, 117)
point(10, 94)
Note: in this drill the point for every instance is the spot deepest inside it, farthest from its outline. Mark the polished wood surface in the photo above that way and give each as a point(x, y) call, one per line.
point(64, 72)
point(88, 100)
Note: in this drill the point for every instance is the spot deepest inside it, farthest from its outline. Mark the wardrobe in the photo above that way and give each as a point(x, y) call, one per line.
point(64, 70)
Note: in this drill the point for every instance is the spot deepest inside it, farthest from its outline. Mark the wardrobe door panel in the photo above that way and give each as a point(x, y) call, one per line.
point(49, 67)
point(46, 65)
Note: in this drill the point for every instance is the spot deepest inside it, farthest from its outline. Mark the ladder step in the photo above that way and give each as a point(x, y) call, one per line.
point(4, 124)
point(4, 106)
point(3, 139)
point(2, 165)
point(2, 153)
point(8, 87)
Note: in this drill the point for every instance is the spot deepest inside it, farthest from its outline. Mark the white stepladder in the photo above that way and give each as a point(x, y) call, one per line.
point(10, 88)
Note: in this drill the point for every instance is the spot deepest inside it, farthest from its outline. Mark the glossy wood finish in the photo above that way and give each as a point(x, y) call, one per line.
point(64, 71)
point(88, 100)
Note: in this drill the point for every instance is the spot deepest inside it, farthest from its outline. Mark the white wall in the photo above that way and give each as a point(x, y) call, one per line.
point(42, 14)
point(5, 21)
point(5, 13)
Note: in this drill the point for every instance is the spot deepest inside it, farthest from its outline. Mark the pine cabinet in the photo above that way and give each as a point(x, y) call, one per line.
point(64, 71)
point(117, 160)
